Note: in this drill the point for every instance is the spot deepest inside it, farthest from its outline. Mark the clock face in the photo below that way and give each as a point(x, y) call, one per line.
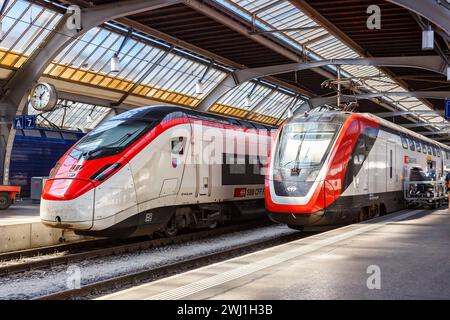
point(43, 97)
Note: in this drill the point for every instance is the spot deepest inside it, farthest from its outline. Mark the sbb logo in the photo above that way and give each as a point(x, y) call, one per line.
point(240, 192)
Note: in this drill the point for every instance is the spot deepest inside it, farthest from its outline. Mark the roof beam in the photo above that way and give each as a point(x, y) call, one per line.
point(240, 28)
point(404, 113)
point(431, 10)
point(431, 63)
point(431, 124)
point(320, 101)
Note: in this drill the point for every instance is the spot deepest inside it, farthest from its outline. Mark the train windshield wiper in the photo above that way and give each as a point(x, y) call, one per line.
point(116, 144)
point(296, 169)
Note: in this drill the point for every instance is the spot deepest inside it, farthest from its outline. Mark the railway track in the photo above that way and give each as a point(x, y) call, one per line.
point(61, 254)
point(97, 288)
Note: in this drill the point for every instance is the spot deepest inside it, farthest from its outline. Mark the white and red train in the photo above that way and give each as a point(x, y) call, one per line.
point(158, 168)
point(165, 168)
point(337, 167)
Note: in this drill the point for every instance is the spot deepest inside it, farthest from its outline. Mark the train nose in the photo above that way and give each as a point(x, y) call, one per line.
point(68, 203)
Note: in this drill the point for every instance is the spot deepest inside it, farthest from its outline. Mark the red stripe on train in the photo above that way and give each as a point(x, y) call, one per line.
point(74, 186)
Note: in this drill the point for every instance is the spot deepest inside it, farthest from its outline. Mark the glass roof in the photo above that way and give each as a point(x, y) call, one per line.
point(25, 26)
point(72, 115)
point(172, 76)
point(319, 44)
point(146, 67)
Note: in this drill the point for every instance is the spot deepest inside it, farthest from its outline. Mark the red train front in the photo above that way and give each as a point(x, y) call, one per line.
point(309, 181)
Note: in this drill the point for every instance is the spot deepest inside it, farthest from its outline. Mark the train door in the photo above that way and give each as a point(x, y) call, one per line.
point(179, 144)
point(203, 168)
point(391, 167)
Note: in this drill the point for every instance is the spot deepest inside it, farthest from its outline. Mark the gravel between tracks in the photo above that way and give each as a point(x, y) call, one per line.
point(35, 283)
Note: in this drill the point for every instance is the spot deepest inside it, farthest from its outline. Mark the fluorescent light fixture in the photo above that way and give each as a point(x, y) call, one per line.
point(290, 113)
point(199, 88)
point(248, 101)
point(428, 39)
point(115, 63)
point(2, 34)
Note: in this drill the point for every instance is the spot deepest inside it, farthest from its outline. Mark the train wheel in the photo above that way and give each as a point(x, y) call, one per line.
point(213, 225)
point(171, 230)
point(5, 200)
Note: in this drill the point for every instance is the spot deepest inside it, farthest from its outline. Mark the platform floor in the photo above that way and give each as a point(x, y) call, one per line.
point(410, 249)
point(21, 229)
point(20, 212)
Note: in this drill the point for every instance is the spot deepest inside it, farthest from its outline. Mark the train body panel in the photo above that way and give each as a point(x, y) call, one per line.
point(196, 169)
point(364, 165)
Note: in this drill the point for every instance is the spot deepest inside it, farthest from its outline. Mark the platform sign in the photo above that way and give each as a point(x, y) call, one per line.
point(29, 122)
point(24, 122)
point(18, 122)
point(447, 109)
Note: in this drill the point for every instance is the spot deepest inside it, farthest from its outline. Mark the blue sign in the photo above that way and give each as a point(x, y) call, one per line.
point(447, 109)
point(18, 122)
point(29, 122)
point(24, 122)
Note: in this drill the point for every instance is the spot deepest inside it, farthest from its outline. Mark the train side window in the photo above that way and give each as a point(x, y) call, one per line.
point(412, 145)
point(424, 148)
point(438, 151)
point(429, 150)
point(404, 142)
point(360, 153)
point(434, 151)
point(418, 147)
point(178, 145)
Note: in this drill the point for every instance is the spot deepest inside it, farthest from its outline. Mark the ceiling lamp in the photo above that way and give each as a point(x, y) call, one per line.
point(115, 63)
point(199, 87)
point(428, 39)
point(248, 101)
point(2, 33)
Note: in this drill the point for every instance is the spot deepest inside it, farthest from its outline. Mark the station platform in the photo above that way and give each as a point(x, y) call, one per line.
point(404, 255)
point(21, 228)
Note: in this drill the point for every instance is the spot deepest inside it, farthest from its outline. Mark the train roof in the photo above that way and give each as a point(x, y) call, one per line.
point(341, 116)
point(161, 111)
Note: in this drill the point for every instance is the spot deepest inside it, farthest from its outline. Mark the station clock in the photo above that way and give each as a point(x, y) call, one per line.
point(44, 97)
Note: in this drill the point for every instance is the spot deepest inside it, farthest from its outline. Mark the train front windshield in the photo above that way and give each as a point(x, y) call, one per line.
point(111, 137)
point(301, 152)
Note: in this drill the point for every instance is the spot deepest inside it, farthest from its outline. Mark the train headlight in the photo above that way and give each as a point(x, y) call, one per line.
point(312, 176)
point(105, 171)
point(54, 170)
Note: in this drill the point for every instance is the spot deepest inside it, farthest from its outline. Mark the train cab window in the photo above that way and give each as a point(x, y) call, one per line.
point(412, 146)
point(113, 136)
point(178, 145)
point(429, 150)
point(424, 148)
point(404, 142)
point(418, 148)
point(360, 152)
